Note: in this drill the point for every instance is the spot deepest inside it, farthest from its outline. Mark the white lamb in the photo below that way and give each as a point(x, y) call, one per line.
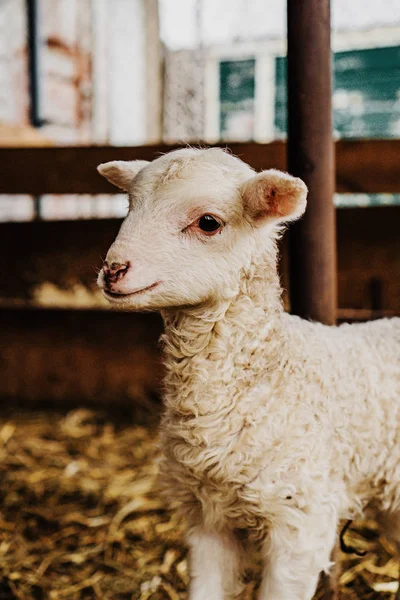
point(274, 427)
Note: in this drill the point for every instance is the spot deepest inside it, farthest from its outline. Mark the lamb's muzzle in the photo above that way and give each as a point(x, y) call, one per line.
point(114, 272)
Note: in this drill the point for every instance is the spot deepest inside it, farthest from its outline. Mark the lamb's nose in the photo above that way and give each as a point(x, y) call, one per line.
point(115, 271)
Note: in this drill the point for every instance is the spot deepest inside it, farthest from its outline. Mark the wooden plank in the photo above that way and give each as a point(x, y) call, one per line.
point(66, 254)
point(73, 357)
point(95, 357)
point(362, 314)
point(313, 288)
point(367, 166)
point(73, 170)
point(368, 253)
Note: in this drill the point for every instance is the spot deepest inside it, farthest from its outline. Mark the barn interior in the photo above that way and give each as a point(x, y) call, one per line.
point(81, 516)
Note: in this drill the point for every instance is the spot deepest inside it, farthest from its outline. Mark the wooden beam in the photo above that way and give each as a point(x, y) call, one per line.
point(73, 170)
point(101, 357)
point(55, 261)
point(313, 288)
point(367, 166)
point(79, 357)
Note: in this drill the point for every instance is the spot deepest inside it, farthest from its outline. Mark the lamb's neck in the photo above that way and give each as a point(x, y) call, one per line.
point(208, 349)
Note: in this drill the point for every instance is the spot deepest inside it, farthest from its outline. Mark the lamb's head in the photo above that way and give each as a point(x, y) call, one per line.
point(195, 220)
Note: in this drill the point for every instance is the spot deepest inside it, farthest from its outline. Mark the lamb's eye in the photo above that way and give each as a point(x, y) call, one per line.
point(208, 224)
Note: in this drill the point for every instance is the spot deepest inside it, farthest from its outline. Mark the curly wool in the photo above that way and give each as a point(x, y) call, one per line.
point(268, 414)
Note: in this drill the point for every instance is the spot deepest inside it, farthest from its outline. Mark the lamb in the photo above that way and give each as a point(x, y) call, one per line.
point(275, 428)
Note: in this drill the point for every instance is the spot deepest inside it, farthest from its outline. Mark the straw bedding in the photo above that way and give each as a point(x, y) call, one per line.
point(80, 517)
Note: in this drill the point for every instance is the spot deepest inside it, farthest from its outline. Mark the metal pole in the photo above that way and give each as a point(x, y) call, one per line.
point(313, 288)
point(32, 12)
point(32, 17)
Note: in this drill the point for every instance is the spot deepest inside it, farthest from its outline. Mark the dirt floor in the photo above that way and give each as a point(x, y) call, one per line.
point(80, 517)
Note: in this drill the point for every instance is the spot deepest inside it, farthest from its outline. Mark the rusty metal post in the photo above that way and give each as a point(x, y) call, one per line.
point(311, 156)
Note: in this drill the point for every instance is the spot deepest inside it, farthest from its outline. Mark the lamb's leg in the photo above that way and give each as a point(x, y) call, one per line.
point(215, 566)
point(295, 555)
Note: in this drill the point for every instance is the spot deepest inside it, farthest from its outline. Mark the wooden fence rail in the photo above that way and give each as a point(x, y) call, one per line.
point(362, 166)
point(97, 357)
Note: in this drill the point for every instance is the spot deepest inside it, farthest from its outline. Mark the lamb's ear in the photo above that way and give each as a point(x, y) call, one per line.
point(276, 196)
point(121, 172)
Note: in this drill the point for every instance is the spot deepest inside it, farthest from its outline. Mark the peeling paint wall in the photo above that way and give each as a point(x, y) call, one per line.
point(67, 69)
point(100, 70)
point(14, 104)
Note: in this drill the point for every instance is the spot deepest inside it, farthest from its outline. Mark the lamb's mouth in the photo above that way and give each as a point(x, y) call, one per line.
point(115, 296)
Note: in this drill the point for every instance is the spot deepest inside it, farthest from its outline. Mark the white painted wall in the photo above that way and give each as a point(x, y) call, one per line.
point(127, 72)
point(127, 75)
point(228, 21)
point(13, 71)
point(101, 72)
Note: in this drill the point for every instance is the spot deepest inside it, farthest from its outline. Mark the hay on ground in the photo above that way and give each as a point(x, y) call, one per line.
point(81, 518)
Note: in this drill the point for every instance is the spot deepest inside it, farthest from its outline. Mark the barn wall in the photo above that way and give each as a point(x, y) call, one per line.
point(79, 357)
point(66, 32)
point(99, 70)
point(100, 357)
point(13, 64)
point(368, 246)
point(67, 254)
